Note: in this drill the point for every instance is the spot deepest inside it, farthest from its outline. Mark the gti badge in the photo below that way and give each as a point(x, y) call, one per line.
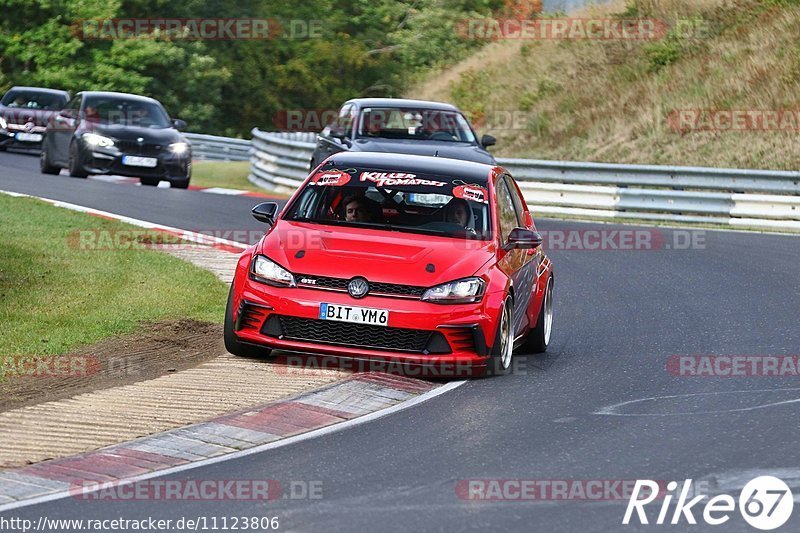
point(358, 287)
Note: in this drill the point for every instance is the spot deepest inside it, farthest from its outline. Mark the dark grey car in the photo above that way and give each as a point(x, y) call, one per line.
point(415, 127)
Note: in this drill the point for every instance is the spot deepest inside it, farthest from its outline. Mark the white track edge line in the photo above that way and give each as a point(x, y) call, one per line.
point(192, 236)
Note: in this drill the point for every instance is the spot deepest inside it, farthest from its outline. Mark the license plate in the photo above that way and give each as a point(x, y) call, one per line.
point(138, 161)
point(355, 315)
point(29, 137)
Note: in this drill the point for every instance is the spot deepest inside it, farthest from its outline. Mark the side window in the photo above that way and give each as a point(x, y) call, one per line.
point(75, 103)
point(505, 210)
point(518, 203)
point(345, 118)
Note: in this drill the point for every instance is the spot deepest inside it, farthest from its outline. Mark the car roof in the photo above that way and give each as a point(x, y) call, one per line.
point(402, 102)
point(39, 89)
point(127, 96)
point(418, 164)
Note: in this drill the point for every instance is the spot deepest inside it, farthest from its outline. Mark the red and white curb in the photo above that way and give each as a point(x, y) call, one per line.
point(355, 400)
point(164, 185)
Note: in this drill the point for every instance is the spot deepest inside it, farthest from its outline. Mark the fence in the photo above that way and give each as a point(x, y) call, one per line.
point(213, 148)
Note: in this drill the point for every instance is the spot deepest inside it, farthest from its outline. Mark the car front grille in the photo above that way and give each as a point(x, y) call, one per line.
point(134, 148)
point(375, 288)
point(355, 335)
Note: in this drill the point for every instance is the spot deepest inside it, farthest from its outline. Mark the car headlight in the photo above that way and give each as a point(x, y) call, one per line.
point(267, 271)
point(3, 123)
point(95, 140)
point(179, 148)
point(461, 291)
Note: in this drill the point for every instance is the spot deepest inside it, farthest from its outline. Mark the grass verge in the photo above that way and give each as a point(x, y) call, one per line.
point(227, 174)
point(616, 100)
point(55, 296)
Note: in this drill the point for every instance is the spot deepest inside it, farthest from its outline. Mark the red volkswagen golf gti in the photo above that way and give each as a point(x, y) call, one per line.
point(420, 262)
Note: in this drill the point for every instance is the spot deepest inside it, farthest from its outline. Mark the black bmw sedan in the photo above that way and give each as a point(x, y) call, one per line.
point(121, 134)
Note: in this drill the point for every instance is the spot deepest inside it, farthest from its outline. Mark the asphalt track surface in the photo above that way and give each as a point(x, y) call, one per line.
point(619, 316)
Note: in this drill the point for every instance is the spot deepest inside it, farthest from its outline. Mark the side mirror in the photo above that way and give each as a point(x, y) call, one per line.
point(524, 239)
point(179, 124)
point(488, 140)
point(265, 212)
point(338, 132)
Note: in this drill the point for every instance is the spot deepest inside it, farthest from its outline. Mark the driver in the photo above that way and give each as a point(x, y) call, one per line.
point(356, 209)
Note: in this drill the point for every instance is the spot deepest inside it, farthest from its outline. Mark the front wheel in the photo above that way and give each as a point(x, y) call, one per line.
point(499, 362)
point(232, 343)
point(179, 184)
point(539, 337)
point(45, 165)
point(75, 167)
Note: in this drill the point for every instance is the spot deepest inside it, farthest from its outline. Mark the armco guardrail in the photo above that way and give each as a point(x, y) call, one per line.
point(280, 161)
point(213, 148)
point(764, 199)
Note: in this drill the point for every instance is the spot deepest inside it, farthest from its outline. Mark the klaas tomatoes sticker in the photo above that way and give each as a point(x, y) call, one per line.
point(334, 178)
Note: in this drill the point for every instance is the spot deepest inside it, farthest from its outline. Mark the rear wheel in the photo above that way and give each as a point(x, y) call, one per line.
point(45, 165)
point(75, 168)
point(539, 337)
point(232, 343)
point(503, 349)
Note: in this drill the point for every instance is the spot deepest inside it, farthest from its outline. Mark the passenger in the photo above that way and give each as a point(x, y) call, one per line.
point(458, 212)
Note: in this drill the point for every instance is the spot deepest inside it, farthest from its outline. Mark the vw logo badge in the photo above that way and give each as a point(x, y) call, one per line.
point(358, 287)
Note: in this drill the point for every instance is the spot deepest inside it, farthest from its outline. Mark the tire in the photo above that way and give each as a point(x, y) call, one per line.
point(75, 169)
point(539, 337)
point(149, 182)
point(179, 184)
point(45, 166)
point(499, 363)
point(232, 344)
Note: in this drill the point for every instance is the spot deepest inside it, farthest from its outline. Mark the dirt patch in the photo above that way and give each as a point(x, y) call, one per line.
point(154, 350)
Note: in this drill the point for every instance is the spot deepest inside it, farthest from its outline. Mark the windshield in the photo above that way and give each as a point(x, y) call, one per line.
point(113, 110)
point(34, 100)
point(414, 124)
point(395, 201)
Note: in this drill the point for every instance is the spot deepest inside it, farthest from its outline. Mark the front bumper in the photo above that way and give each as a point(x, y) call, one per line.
point(449, 339)
point(8, 139)
point(170, 166)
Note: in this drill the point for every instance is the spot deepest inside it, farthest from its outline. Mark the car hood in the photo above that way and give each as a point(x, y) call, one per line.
point(15, 115)
point(378, 255)
point(133, 133)
point(450, 150)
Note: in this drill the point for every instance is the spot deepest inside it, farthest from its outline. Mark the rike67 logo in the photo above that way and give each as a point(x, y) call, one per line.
point(766, 503)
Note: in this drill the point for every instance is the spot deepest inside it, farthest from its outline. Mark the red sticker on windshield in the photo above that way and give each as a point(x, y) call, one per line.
point(470, 192)
point(334, 178)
